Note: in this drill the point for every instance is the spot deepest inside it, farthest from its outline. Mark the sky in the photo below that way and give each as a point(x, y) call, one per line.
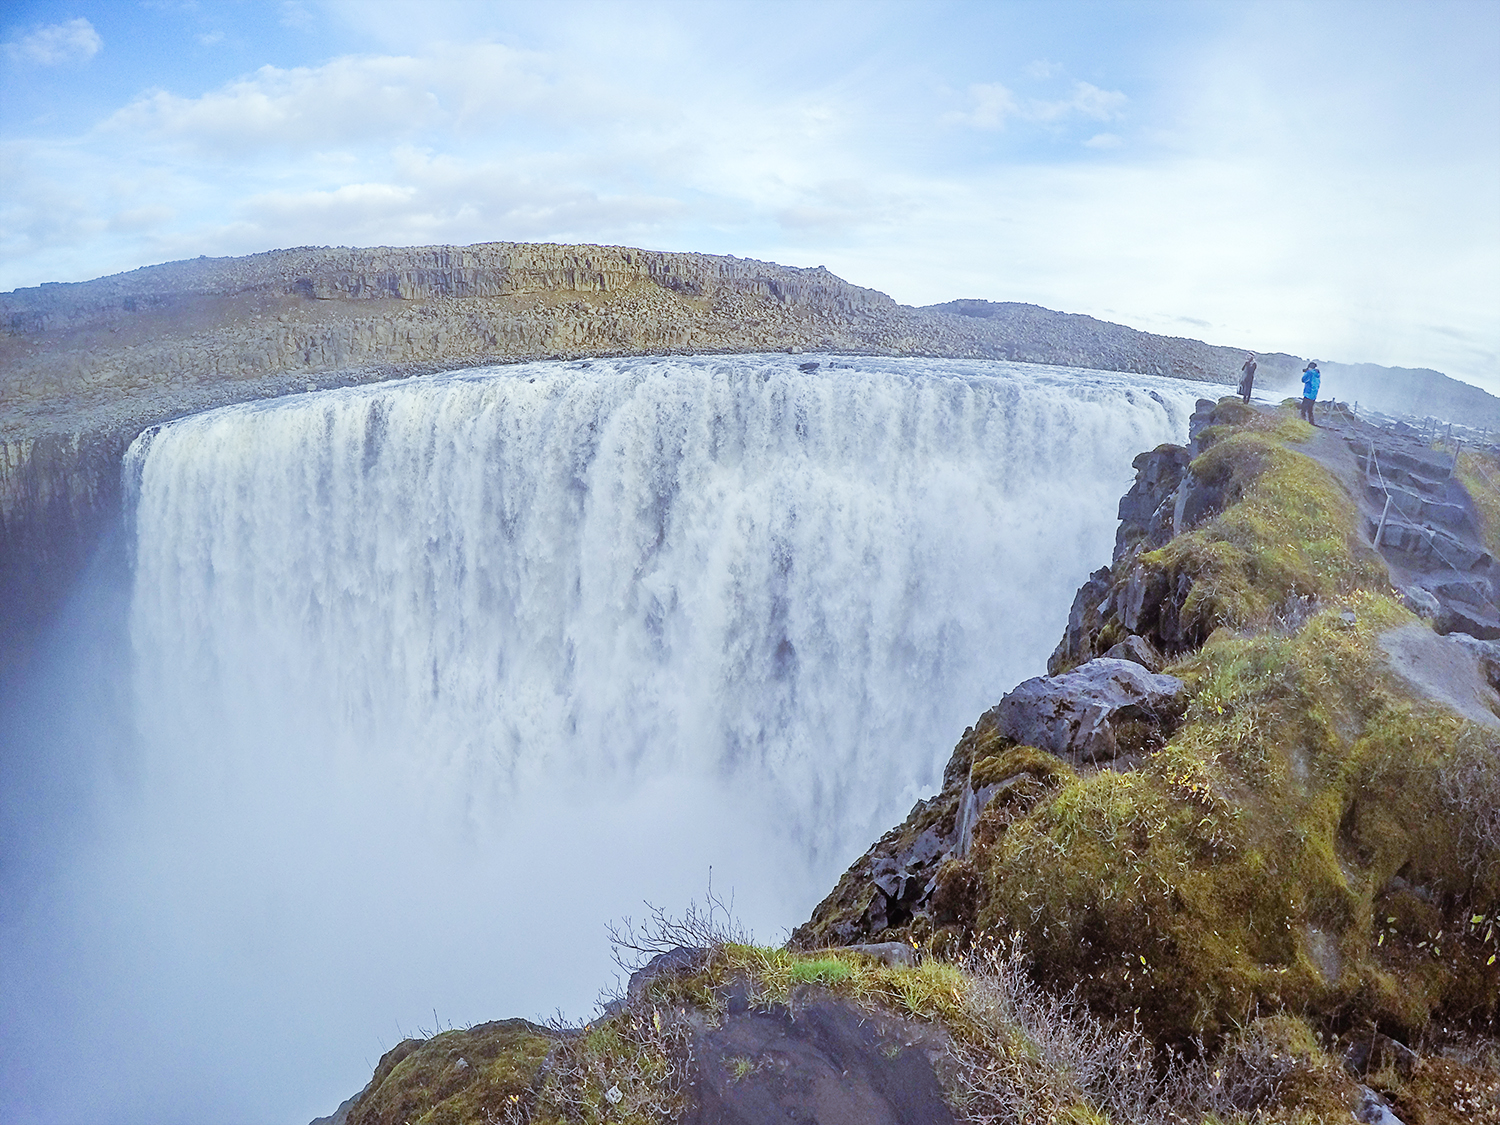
point(1317, 178)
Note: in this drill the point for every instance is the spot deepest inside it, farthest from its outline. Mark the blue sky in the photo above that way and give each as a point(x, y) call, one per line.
point(1317, 178)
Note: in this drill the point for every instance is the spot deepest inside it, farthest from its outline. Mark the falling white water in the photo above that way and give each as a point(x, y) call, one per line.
point(434, 678)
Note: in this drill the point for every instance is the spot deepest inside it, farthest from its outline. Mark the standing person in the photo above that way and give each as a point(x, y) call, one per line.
point(1247, 379)
point(1311, 377)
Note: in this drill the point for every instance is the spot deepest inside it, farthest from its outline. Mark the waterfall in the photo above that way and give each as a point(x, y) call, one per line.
point(431, 679)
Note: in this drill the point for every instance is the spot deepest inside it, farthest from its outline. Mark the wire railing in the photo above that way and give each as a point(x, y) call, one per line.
point(1372, 461)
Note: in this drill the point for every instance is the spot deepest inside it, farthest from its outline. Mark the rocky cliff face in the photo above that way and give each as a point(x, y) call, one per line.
point(142, 343)
point(150, 343)
point(59, 493)
point(1409, 505)
point(1251, 778)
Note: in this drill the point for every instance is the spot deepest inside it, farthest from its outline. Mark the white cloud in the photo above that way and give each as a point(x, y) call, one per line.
point(354, 99)
point(296, 16)
point(1090, 101)
point(838, 209)
point(211, 39)
point(355, 205)
point(74, 41)
point(442, 199)
point(140, 219)
point(1337, 209)
point(992, 104)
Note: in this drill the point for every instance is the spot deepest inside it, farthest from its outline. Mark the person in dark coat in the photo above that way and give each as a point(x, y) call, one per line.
point(1247, 376)
point(1311, 377)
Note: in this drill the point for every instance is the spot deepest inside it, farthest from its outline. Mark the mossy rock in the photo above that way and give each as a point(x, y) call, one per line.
point(1008, 761)
point(1245, 864)
point(457, 1077)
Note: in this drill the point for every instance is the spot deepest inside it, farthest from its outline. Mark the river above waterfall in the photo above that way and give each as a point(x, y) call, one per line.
point(428, 681)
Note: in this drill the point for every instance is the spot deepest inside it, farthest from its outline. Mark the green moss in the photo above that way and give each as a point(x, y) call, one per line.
point(1444, 1092)
point(455, 1077)
point(1280, 1068)
point(1007, 763)
point(1480, 475)
point(1248, 865)
point(1287, 532)
point(822, 970)
point(1243, 865)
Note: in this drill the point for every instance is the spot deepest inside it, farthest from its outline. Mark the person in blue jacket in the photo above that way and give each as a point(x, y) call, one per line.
point(1311, 377)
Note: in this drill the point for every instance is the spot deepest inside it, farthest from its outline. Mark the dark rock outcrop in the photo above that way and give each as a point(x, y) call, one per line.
point(1101, 711)
point(1139, 650)
point(735, 1060)
point(834, 1062)
point(1085, 623)
point(1420, 517)
point(59, 494)
point(1147, 511)
point(1416, 514)
point(1104, 714)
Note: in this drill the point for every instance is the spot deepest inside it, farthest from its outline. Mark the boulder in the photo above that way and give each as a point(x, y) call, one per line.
point(819, 1058)
point(1139, 650)
point(1420, 601)
point(1098, 712)
point(1458, 617)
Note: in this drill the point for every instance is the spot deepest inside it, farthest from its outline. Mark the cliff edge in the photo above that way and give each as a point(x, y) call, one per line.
point(1235, 858)
point(86, 367)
